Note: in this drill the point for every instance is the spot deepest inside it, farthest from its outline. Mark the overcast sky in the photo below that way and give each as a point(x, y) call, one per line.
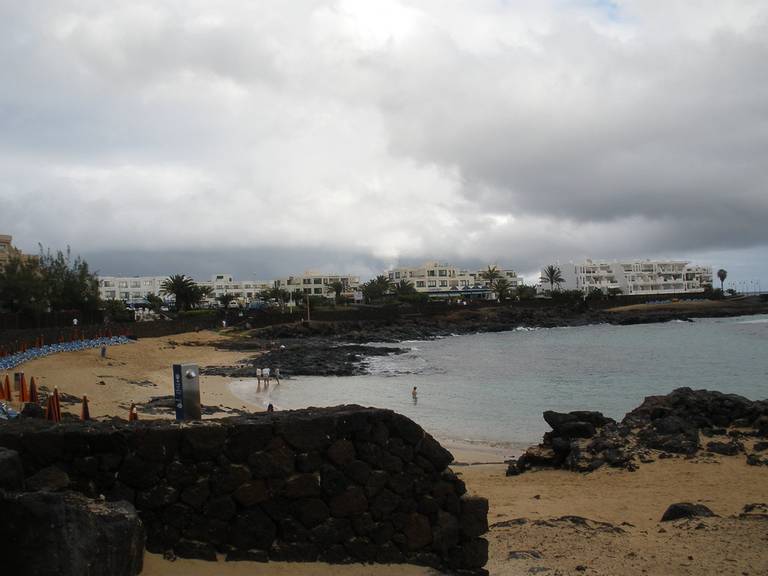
point(264, 138)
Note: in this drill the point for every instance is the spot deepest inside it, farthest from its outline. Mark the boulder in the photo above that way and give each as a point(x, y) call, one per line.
point(302, 486)
point(194, 549)
point(725, 448)
point(474, 516)
point(595, 418)
point(755, 460)
point(11, 470)
point(349, 503)
point(538, 456)
point(251, 493)
point(576, 429)
point(686, 510)
point(418, 531)
point(51, 478)
point(67, 534)
point(557, 419)
point(341, 452)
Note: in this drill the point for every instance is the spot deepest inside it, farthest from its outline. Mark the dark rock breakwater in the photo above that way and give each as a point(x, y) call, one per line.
point(304, 357)
point(685, 422)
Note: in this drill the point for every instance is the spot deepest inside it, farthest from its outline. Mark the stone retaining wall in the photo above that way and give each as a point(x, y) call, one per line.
point(344, 484)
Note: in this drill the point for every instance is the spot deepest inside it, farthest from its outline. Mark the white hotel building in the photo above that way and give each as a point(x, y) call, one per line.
point(318, 284)
point(134, 289)
point(243, 290)
point(130, 289)
point(437, 279)
point(635, 277)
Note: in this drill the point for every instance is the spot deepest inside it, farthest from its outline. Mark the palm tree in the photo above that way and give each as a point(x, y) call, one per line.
point(490, 275)
point(297, 296)
point(280, 295)
point(338, 287)
point(377, 288)
point(502, 288)
point(404, 288)
point(553, 275)
point(225, 299)
point(722, 274)
point(525, 292)
point(181, 287)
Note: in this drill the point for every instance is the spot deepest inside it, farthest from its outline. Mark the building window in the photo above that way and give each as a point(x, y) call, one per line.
point(307, 290)
point(430, 272)
point(419, 283)
point(307, 281)
point(442, 272)
point(443, 283)
point(317, 281)
point(318, 290)
point(432, 284)
point(122, 285)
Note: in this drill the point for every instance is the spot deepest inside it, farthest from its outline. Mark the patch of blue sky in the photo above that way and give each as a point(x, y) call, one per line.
point(608, 8)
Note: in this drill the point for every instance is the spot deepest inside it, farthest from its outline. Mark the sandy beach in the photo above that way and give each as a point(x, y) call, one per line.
point(135, 372)
point(548, 522)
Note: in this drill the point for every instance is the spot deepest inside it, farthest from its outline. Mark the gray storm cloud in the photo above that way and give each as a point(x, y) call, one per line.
point(523, 132)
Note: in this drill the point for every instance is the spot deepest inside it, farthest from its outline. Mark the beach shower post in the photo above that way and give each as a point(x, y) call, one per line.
point(186, 391)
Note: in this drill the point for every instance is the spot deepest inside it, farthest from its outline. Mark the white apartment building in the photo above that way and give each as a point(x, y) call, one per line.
point(635, 277)
point(318, 284)
point(134, 289)
point(6, 248)
point(438, 279)
point(131, 289)
point(243, 290)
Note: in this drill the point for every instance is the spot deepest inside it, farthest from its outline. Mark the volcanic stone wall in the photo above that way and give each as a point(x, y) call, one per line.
point(345, 484)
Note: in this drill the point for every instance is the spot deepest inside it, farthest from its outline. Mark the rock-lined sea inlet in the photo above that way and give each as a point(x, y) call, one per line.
point(494, 387)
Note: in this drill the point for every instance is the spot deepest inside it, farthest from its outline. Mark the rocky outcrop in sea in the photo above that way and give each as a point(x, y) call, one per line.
point(685, 422)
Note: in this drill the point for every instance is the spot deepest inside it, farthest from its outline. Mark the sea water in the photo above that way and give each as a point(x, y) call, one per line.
point(494, 387)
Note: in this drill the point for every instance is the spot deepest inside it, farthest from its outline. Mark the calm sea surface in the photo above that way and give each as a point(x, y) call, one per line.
point(494, 387)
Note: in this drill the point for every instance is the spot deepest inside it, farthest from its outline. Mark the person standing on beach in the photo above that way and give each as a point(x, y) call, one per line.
point(415, 395)
point(258, 378)
point(265, 373)
point(277, 376)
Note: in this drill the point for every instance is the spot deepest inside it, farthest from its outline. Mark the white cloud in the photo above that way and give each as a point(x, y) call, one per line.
point(520, 132)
